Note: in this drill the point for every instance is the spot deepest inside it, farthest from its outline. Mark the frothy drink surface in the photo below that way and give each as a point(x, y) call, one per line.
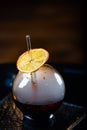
point(45, 86)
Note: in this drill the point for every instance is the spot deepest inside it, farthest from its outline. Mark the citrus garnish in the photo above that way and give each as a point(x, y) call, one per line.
point(32, 60)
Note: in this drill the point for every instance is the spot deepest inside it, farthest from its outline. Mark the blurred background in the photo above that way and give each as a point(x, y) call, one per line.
point(55, 25)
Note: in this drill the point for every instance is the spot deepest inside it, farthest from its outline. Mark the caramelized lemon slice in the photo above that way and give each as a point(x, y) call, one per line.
point(32, 60)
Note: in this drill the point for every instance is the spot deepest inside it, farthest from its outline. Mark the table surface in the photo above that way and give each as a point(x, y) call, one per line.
point(67, 117)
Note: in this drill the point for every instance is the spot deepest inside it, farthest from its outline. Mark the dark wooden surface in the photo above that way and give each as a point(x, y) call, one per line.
point(53, 25)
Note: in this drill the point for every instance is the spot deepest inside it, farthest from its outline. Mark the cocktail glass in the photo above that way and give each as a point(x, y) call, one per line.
point(39, 94)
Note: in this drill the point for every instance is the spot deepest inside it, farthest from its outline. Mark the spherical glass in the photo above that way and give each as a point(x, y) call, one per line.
point(39, 94)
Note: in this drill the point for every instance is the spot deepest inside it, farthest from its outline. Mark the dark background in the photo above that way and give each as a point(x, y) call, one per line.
point(55, 25)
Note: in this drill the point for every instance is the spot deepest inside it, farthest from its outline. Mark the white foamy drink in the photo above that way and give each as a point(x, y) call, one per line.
point(42, 87)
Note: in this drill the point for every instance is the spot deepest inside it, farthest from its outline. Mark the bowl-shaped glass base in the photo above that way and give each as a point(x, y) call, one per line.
point(45, 121)
point(38, 115)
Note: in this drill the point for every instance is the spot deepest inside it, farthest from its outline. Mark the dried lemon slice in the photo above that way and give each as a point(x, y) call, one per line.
point(32, 60)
